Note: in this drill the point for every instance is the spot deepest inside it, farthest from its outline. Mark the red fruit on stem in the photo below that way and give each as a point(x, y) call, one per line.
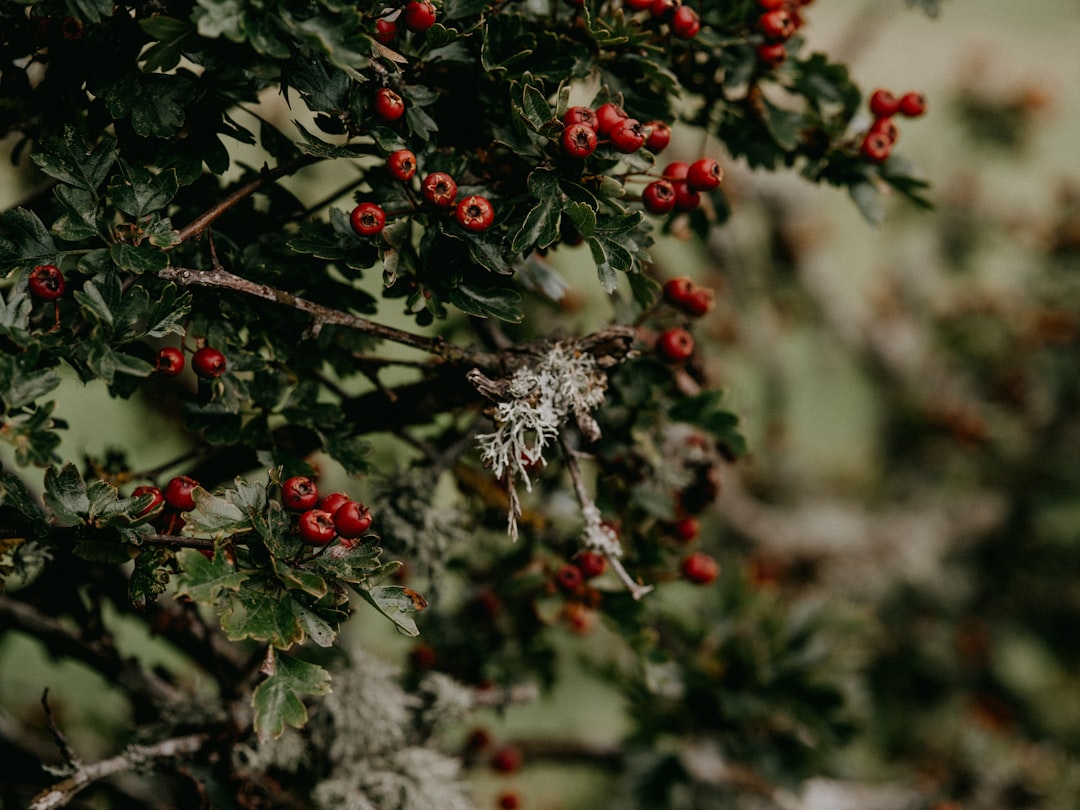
point(578, 140)
point(686, 199)
point(886, 127)
point(177, 493)
point(439, 189)
point(658, 135)
point(777, 25)
point(401, 165)
point(580, 115)
point(569, 578)
point(675, 344)
point(912, 105)
point(704, 174)
point(352, 519)
point(475, 213)
point(299, 493)
point(677, 291)
point(883, 104)
point(368, 219)
point(419, 15)
point(334, 501)
point(876, 147)
point(685, 23)
point(591, 564)
point(170, 361)
point(676, 170)
point(700, 568)
point(316, 527)
point(659, 197)
point(664, 9)
point(46, 282)
point(772, 54)
point(686, 529)
point(385, 31)
point(157, 498)
point(699, 303)
point(389, 106)
point(607, 116)
point(628, 136)
point(209, 363)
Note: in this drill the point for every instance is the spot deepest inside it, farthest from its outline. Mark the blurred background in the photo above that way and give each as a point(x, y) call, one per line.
point(911, 397)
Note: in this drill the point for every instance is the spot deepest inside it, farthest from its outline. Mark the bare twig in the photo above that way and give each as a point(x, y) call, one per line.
point(58, 736)
point(136, 756)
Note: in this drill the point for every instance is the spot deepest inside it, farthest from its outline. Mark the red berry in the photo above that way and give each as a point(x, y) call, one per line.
point(178, 493)
point(658, 197)
point(638, 5)
point(704, 174)
point(208, 363)
point(569, 578)
point(677, 291)
point(628, 136)
point(883, 104)
point(699, 303)
point(401, 165)
point(700, 568)
point(385, 31)
point(580, 115)
point(607, 116)
point(772, 54)
point(591, 563)
point(676, 170)
point(685, 23)
point(299, 493)
point(367, 219)
point(475, 213)
point(664, 9)
point(772, 5)
point(439, 188)
point(686, 529)
point(157, 498)
point(170, 361)
point(419, 15)
point(352, 519)
point(316, 527)
point(658, 135)
point(777, 25)
point(912, 105)
point(876, 147)
point(675, 344)
point(509, 800)
point(578, 140)
point(389, 106)
point(887, 128)
point(334, 501)
point(686, 199)
point(507, 759)
point(46, 282)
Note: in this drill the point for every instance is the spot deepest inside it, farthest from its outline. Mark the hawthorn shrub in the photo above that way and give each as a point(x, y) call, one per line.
point(539, 482)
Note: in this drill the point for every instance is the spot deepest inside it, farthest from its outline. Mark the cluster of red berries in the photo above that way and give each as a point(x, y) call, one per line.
point(683, 21)
point(683, 294)
point(584, 128)
point(417, 16)
point(570, 578)
point(879, 140)
point(177, 496)
point(680, 187)
point(473, 213)
point(321, 521)
point(778, 22)
point(207, 362)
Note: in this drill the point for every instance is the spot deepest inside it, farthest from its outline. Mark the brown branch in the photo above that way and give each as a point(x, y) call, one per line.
point(58, 736)
point(136, 756)
point(267, 176)
point(321, 315)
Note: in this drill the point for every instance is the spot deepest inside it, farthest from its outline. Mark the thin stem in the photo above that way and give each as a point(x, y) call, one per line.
point(267, 176)
point(134, 757)
point(178, 541)
point(58, 736)
point(321, 315)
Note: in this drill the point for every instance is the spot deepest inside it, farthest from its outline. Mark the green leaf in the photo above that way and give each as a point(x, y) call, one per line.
point(80, 218)
point(14, 494)
point(398, 604)
point(21, 383)
point(170, 34)
point(785, 126)
point(154, 101)
point(65, 494)
point(71, 160)
point(315, 626)
point(99, 301)
point(215, 515)
point(541, 225)
point(868, 200)
point(257, 611)
point(353, 565)
point(24, 241)
point(299, 579)
point(137, 192)
point(487, 302)
point(205, 580)
point(168, 314)
point(535, 109)
point(138, 259)
point(149, 577)
point(706, 410)
point(15, 314)
point(276, 700)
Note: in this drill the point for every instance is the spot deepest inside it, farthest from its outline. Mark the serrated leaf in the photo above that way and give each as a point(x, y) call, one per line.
point(24, 241)
point(315, 626)
point(353, 565)
point(71, 160)
point(21, 383)
point(299, 579)
point(138, 258)
point(487, 302)
point(168, 314)
point(258, 612)
point(137, 192)
point(398, 604)
point(15, 495)
point(93, 299)
point(215, 515)
point(65, 494)
point(276, 700)
point(535, 109)
point(541, 225)
point(150, 577)
point(79, 220)
point(205, 580)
